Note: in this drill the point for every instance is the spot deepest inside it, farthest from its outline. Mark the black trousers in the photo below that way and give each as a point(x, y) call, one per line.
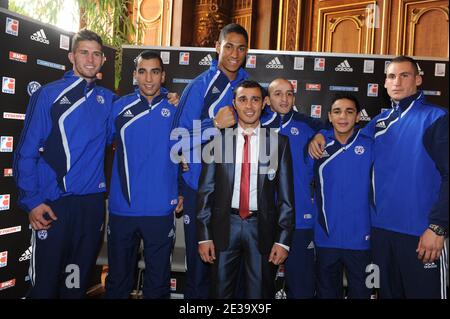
point(243, 247)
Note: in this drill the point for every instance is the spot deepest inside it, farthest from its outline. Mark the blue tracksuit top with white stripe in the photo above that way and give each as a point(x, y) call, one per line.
point(299, 133)
point(62, 145)
point(410, 166)
point(144, 179)
point(200, 102)
point(343, 192)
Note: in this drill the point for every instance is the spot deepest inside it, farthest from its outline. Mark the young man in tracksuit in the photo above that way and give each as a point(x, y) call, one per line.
point(60, 175)
point(144, 188)
point(410, 181)
point(300, 264)
point(410, 222)
point(342, 230)
point(206, 103)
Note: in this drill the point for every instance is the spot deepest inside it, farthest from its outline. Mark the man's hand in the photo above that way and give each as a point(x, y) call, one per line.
point(225, 118)
point(206, 251)
point(278, 254)
point(316, 146)
point(179, 207)
point(430, 246)
point(37, 219)
point(184, 165)
point(173, 98)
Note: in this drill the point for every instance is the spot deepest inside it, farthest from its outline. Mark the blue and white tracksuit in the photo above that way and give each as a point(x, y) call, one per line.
point(143, 196)
point(60, 162)
point(300, 277)
point(200, 102)
point(342, 231)
point(410, 182)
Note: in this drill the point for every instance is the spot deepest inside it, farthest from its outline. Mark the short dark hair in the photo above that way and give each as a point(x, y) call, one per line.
point(148, 55)
point(85, 35)
point(233, 28)
point(347, 96)
point(404, 58)
point(249, 84)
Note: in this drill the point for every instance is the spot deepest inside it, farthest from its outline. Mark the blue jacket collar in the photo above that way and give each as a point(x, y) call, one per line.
point(329, 134)
point(242, 74)
point(156, 99)
point(403, 104)
point(70, 76)
point(278, 120)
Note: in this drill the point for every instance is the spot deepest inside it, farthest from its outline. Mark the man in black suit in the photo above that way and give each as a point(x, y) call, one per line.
point(246, 200)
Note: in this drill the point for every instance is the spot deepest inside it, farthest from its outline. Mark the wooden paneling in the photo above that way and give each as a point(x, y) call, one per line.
point(155, 16)
point(346, 27)
point(412, 27)
point(243, 13)
point(423, 29)
point(265, 33)
point(183, 15)
point(210, 17)
point(289, 30)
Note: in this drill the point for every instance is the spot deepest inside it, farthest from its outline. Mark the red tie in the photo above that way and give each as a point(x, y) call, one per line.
point(245, 180)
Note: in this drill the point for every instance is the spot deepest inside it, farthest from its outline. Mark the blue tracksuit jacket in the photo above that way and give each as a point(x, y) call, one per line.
point(299, 132)
point(343, 192)
point(61, 149)
point(410, 166)
point(144, 178)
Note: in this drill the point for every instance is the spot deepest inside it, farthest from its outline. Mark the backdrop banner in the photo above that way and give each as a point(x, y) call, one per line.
point(315, 76)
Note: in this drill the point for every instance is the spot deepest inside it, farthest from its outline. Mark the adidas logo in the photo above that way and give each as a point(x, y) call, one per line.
point(364, 116)
point(275, 64)
point(344, 67)
point(311, 245)
point(40, 36)
point(26, 255)
point(171, 233)
point(381, 124)
point(206, 60)
point(325, 154)
point(215, 90)
point(64, 100)
point(128, 114)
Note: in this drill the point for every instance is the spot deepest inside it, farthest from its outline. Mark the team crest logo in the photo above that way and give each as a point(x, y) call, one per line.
point(186, 219)
point(294, 131)
point(165, 112)
point(359, 150)
point(33, 86)
point(271, 174)
point(42, 234)
point(100, 99)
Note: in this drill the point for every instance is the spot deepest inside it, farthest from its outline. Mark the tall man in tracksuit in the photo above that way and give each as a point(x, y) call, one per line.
point(410, 181)
point(342, 230)
point(411, 189)
point(144, 187)
point(59, 172)
point(300, 264)
point(206, 103)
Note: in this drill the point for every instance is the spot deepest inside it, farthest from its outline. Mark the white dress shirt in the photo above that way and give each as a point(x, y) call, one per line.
point(254, 155)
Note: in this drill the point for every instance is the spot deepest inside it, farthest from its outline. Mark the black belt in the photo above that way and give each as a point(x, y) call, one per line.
point(253, 213)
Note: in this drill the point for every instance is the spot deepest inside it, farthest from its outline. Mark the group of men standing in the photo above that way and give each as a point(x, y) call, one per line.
point(252, 196)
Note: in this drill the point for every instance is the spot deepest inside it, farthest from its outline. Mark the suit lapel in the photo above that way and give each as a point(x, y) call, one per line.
point(230, 162)
point(263, 138)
